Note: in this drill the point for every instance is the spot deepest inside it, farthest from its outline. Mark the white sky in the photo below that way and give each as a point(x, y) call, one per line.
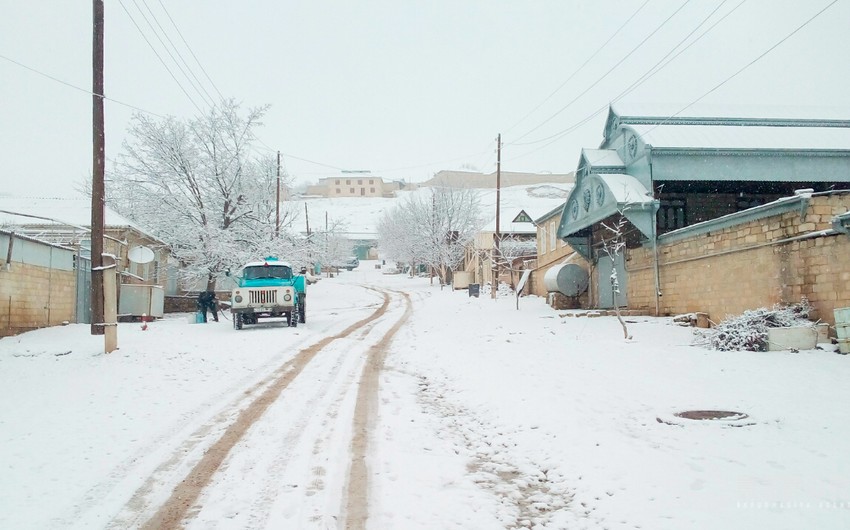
point(383, 85)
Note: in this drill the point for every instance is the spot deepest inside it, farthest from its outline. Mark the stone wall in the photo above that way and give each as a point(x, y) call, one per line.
point(33, 297)
point(757, 263)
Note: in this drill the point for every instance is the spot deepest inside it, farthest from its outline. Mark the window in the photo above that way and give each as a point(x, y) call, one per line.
point(337, 191)
point(543, 240)
point(362, 191)
point(348, 182)
point(359, 181)
point(553, 233)
point(351, 190)
point(337, 182)
point(522, 217)
point(371, 181)
point(671, 214)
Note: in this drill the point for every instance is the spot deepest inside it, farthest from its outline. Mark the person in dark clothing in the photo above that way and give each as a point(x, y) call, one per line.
point(208, 302)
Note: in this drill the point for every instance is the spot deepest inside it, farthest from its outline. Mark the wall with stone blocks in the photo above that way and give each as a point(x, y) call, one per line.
point(775, 260)
point(33, 297)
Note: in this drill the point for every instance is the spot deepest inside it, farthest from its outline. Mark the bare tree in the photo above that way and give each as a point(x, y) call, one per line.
point(613, 246)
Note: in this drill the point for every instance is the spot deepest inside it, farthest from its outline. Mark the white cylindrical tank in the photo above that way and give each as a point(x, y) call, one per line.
point(568, 279)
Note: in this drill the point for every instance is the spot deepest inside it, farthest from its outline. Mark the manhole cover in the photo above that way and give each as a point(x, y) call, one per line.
point(711, 415)
point(691, 417)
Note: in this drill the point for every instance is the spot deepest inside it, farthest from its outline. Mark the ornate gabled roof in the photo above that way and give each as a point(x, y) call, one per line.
point(732, 127)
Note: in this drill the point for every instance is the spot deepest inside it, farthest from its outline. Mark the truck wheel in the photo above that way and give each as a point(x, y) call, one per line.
point(237, 320)
point(302, 311)
point(292, 318)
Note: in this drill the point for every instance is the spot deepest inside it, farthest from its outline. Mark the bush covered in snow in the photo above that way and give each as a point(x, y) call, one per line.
point(748, 331)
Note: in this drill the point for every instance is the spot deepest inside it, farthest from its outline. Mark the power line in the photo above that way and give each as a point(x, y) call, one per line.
point(142, 33)
point(585, 91)
point(190, 50)
point(697, 100)
point(645, 76)
point(746, 66)
point(577, 70)
point(196, 83)
point(75, 87)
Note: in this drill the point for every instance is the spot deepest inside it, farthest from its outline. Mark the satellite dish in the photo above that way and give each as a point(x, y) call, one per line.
point(140, 255)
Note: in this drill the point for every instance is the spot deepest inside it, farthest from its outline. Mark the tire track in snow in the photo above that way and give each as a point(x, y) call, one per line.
point(365, 414)
point(186, 493)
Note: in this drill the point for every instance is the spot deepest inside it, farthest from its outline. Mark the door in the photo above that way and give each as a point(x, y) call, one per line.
point(606, 294)
point(82, 310)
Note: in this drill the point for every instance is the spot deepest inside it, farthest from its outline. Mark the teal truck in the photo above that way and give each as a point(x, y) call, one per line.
point(266, 289)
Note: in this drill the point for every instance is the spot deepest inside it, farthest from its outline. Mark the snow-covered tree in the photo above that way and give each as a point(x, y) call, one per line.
point(513, 250)
point(433, 228)
point(200, 187)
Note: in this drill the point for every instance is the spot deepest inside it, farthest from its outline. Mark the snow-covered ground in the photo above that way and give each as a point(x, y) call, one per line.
point(489, 418)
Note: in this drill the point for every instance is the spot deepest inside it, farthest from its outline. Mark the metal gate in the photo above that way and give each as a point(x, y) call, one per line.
point(82, 312)
point(606, 294)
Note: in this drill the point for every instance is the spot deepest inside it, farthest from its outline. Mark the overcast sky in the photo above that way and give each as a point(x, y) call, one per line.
point(400, 87)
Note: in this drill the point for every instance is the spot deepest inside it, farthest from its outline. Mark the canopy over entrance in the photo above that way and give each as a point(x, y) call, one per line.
point(599, 196)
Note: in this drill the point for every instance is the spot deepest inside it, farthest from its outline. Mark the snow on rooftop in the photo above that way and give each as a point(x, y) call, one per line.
point(602, 157)
point(711, 110)
point(749, 137)
point(76, 212)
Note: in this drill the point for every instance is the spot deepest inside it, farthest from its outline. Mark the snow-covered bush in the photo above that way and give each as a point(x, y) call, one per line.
point(748, 331)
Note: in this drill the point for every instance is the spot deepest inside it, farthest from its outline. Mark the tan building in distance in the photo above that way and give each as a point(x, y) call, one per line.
point(474, 179)
point(355, 184)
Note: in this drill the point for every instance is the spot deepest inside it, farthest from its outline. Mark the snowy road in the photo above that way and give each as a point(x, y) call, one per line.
point(311, 412)
point(401, 405)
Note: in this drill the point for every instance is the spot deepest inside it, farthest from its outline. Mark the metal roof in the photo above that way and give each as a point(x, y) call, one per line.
point(670, 112)
point(740, 137)
point(602, 158)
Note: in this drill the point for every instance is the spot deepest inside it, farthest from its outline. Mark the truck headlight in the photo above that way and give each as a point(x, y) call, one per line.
point(238, 298)
point(287, 297)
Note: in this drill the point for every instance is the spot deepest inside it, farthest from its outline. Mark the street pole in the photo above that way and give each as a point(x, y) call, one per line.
point(277, 201)
point(307, 218)
point(497, 237)
point(98, 165)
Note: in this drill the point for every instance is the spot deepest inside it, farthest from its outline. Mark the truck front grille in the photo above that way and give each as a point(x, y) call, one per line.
point(263, 297)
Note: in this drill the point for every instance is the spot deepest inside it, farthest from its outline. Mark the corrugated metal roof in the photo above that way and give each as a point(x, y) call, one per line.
point(708, 110)
point(738, 137)
point(71, 212)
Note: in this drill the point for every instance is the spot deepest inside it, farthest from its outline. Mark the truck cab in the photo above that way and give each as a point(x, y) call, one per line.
point(267, 289)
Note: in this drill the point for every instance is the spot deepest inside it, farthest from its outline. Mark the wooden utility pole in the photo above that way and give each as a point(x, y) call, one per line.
point(497, 237)
point(277, 201)
point(307, 218)
point(98, 165)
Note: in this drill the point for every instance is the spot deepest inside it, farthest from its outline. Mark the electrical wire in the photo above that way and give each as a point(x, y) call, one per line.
point(654, 69)
point(196, 84)
point(697, 100)
point(579, 69)
point(201, 66)
point(89, 92)
point(745, 67)
point(600, 79)
point(121, 3)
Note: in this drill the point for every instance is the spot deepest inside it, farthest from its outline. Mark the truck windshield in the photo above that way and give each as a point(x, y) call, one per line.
point(271, 271)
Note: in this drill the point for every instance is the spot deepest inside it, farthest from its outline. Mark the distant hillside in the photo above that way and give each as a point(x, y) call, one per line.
point(361, 215)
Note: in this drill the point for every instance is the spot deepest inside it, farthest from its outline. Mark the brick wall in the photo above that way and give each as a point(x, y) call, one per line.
point(33, 297)
point(754, 264)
